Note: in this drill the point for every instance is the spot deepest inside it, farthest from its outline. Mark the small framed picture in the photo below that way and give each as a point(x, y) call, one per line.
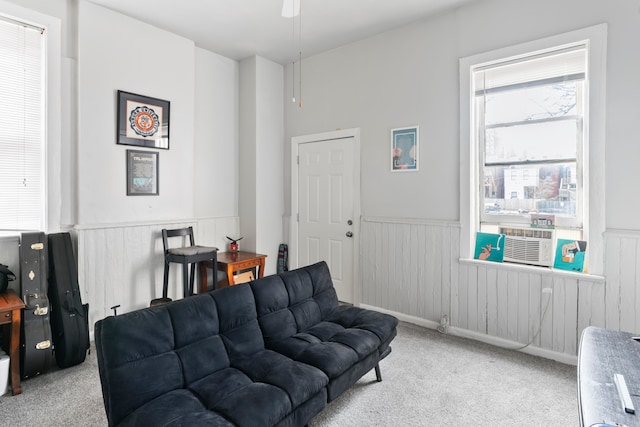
point(142, 173)
point(143, 121)
point(404, 149)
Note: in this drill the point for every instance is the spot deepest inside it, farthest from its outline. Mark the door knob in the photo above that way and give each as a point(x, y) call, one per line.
point(349, 222)
point(349, 234)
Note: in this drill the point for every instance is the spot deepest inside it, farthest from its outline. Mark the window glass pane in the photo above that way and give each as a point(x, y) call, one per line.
point(531, 103)
point(525, 189)
point(540, 141)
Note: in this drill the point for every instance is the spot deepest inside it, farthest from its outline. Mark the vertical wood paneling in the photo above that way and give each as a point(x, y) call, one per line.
point(437, 253)
point(512, 306)
point(546, 330)
point(472, 302)
point(481, 307)
point(414, 268)
point(459, 319)
point(634, 287)
point(627, 279)
point(558, 316)
point(503, 304)
point(535, 307)
point(571, 317)
point(381, 253)
point(450, 273)
point(591, 299)
point(612, 272)
point(492, 302)
point(123, 265)
point(524, 296)
point(414, 278)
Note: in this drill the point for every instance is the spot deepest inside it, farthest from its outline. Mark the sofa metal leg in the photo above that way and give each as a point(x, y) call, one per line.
point(378, 375)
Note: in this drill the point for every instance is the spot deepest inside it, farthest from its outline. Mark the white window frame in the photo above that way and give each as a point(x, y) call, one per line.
point(567, 222)
point(53, 205)
point(594, 177)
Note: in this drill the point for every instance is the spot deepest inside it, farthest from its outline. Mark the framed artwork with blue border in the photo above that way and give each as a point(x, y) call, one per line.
point(404, 149)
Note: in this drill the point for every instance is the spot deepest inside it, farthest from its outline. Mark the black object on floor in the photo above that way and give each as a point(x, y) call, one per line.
point(69, 317)
point(36, 348)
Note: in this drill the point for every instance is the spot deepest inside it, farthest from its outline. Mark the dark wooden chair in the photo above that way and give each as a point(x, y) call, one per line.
point(185, 255)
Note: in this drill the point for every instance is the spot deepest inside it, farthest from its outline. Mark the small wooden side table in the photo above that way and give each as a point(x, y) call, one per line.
point(231, 262)
point(11, 313)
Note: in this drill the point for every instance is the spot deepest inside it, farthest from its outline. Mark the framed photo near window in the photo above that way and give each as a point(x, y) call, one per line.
point(143, 121)
point(404, 149)
point(142, 173)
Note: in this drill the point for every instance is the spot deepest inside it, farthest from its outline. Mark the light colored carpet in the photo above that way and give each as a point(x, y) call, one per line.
point(429, 379)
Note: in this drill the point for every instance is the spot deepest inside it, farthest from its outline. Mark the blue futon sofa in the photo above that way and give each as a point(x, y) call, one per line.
point(272, 352)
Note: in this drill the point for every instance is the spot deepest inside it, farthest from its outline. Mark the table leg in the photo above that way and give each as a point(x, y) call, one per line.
point(204, 279)
point(14, 355)
point(230, 274)
point(261, 269)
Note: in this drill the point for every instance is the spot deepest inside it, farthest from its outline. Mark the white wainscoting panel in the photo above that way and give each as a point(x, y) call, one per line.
point(412, 267)
point(622, 269)
point(123, 264)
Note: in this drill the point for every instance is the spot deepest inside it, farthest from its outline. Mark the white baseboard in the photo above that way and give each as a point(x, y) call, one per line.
point(567, 359)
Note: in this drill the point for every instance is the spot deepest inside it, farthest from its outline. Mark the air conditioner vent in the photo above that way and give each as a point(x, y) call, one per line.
point(528, 246)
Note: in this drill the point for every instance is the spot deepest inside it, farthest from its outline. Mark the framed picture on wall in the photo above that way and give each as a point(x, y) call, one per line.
point(142, 173)
point(404, 149)
point(143, 121)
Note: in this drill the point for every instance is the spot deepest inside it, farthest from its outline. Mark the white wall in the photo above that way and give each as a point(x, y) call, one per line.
point(216, 136)
point(409, 76)
point(270, 162)
point(119, 245)
point(261, 158)
point(120, 259)
point(144, 60)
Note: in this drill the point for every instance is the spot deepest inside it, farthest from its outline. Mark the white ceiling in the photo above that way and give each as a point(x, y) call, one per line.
point(241, 28)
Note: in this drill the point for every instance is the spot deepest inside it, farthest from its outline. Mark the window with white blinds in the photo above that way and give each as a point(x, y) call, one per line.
point(22, 124)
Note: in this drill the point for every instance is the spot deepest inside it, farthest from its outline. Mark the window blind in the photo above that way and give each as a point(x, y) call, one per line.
point(22, 121)
point(563, 64)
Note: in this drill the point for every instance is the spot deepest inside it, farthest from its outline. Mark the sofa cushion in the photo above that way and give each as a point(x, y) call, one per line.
point(238, 321)
point(233, 394)
point(298, 380)
point(176, 408)
point(197, 343)
point(135, 350)
point(381, 325)
point(306, 323)
point(265, 387)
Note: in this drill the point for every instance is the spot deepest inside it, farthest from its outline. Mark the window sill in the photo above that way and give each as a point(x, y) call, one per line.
point(534, 269)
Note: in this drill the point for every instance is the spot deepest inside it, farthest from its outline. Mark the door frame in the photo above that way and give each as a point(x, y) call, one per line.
point(293, 223)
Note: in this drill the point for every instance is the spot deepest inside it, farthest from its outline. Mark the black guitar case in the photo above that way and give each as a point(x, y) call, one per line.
point(69, 319)
point(36, 347)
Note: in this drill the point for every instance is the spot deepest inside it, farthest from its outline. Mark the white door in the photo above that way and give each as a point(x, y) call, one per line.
point(326, 222)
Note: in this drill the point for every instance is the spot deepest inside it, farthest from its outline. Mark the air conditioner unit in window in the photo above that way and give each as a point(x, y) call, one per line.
point(526, 245)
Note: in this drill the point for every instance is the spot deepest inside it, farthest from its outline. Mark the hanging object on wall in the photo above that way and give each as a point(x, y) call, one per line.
point(292, 9)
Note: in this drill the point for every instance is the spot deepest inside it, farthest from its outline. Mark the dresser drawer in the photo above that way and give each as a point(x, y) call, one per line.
point(5, 317)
